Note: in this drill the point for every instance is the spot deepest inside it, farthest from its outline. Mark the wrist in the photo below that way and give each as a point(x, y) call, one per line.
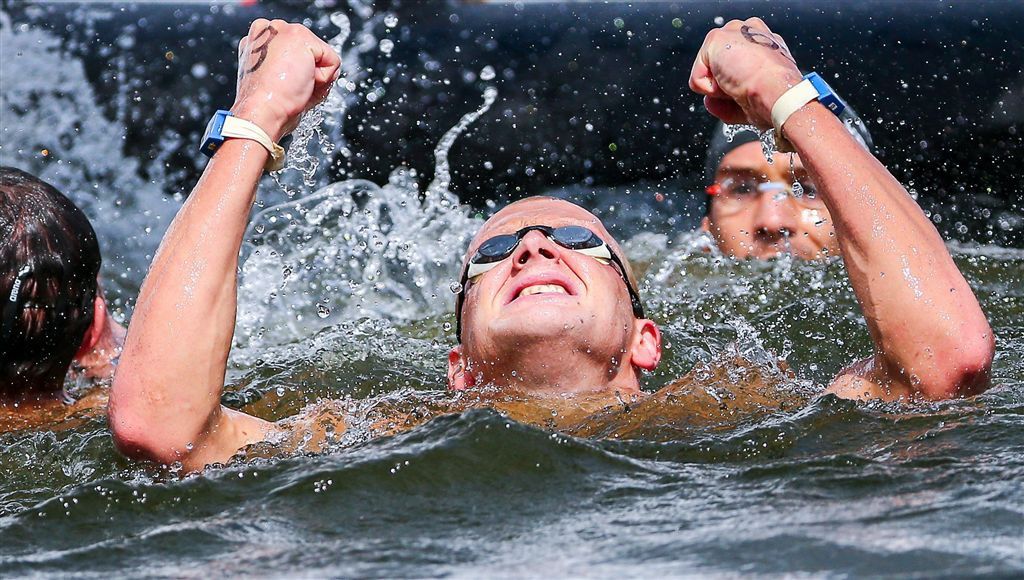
point(265, 119)
point(770, 87)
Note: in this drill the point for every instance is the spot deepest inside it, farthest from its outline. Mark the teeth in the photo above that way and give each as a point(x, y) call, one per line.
point(542, 289)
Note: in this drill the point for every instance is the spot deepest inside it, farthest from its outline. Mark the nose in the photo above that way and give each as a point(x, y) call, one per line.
point(775, 216)
point(534, 246)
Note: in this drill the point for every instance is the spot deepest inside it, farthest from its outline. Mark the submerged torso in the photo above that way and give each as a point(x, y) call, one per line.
point(715, 396)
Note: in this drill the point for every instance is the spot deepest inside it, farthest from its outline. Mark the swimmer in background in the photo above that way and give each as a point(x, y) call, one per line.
point(52, 316)
point(548, 306)
point(752, 209)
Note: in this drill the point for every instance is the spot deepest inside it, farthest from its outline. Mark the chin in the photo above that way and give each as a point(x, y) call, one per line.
point(555, 319)
point(557, 325)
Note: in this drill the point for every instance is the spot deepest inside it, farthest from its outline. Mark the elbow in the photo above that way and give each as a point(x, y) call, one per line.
point(131, 440)
point(135, 434)
point(964, 370)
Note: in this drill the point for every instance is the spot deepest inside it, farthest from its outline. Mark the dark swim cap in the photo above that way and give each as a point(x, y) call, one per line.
point(721, 145)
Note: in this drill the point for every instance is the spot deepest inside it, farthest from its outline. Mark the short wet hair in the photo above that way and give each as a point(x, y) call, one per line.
point(49, 261)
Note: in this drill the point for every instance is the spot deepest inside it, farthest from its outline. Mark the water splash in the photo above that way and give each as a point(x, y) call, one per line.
point(767, 138)
point(320, 130)
point(442, 172)
point(54, 128)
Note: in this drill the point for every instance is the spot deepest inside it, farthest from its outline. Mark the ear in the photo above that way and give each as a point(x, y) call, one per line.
point(646, 349)
point(705, 224)
point(458, 378)
point(94, 333)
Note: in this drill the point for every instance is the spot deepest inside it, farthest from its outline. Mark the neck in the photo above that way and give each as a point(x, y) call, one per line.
point(98, 362)
point(542, 370)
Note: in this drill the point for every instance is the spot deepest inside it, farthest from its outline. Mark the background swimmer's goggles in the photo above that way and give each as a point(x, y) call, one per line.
point(575, 238)
point(736, 191)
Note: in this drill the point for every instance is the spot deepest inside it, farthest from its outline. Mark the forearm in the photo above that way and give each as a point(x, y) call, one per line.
point(172, 367)
point(927, 326)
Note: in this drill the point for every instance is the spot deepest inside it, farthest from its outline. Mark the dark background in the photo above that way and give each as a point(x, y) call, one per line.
point(939, 84)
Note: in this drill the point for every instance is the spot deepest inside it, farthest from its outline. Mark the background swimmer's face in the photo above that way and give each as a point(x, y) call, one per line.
point(763, 226)
point(581, 306)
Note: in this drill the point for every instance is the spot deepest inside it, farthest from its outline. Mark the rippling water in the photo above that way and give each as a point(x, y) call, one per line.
point(345, 295)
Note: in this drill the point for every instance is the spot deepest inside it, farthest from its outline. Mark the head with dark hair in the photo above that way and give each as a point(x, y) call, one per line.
point(49, 260)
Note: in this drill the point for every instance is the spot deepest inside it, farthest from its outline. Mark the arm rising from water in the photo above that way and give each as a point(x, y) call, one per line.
point(165, 400)
point(931, 337)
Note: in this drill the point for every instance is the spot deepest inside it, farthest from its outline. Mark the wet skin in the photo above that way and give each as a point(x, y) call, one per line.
point(577, 334)
point(771, 223)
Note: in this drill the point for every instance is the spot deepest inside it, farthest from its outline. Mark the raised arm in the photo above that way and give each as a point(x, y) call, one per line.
point(931, 337)
point(165, 400)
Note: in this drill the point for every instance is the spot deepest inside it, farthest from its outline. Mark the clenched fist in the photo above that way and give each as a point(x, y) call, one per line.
point(742, 69)
point(283, 71)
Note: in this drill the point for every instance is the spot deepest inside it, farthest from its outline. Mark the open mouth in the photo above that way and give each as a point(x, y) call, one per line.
point(541, 289)
point(541, 285)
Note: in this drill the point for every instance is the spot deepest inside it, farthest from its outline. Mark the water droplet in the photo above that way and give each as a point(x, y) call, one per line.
point(455, 287)
point(391, 21)
point(487, 73)
point(619, 23)
point(719, 21)
point(677, 22)
point(386, 46)
point(322, 310)
point(447, 326)
point(340, 20)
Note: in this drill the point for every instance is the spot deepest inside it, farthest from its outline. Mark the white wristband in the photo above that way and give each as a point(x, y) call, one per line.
point(242, 129)
point(790, 102)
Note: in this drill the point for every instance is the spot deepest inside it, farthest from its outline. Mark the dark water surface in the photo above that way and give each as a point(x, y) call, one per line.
point(346, 295)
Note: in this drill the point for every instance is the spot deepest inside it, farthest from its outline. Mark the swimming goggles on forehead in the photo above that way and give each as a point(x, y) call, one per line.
point(576, 238)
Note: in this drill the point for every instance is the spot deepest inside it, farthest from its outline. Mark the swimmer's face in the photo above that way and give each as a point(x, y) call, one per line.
point(550, 301)
point(752, 224)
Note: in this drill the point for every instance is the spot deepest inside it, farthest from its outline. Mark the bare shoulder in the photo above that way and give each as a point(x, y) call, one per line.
point(312, 430)
point(717, 395)
point(865, 380)
point(54, 414)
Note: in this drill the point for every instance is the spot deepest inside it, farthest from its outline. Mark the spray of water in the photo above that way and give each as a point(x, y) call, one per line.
point(767, 138)
point(54, 128)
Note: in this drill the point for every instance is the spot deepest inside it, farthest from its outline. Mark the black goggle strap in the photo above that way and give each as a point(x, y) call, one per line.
point(12, 307)
point(634, 297)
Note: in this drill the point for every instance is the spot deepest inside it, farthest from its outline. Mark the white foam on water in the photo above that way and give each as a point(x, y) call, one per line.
point(356, 250)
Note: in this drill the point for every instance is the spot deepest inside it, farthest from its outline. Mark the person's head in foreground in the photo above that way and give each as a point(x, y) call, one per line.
point(549, 303)
point(52, 311)
point(755, 210)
